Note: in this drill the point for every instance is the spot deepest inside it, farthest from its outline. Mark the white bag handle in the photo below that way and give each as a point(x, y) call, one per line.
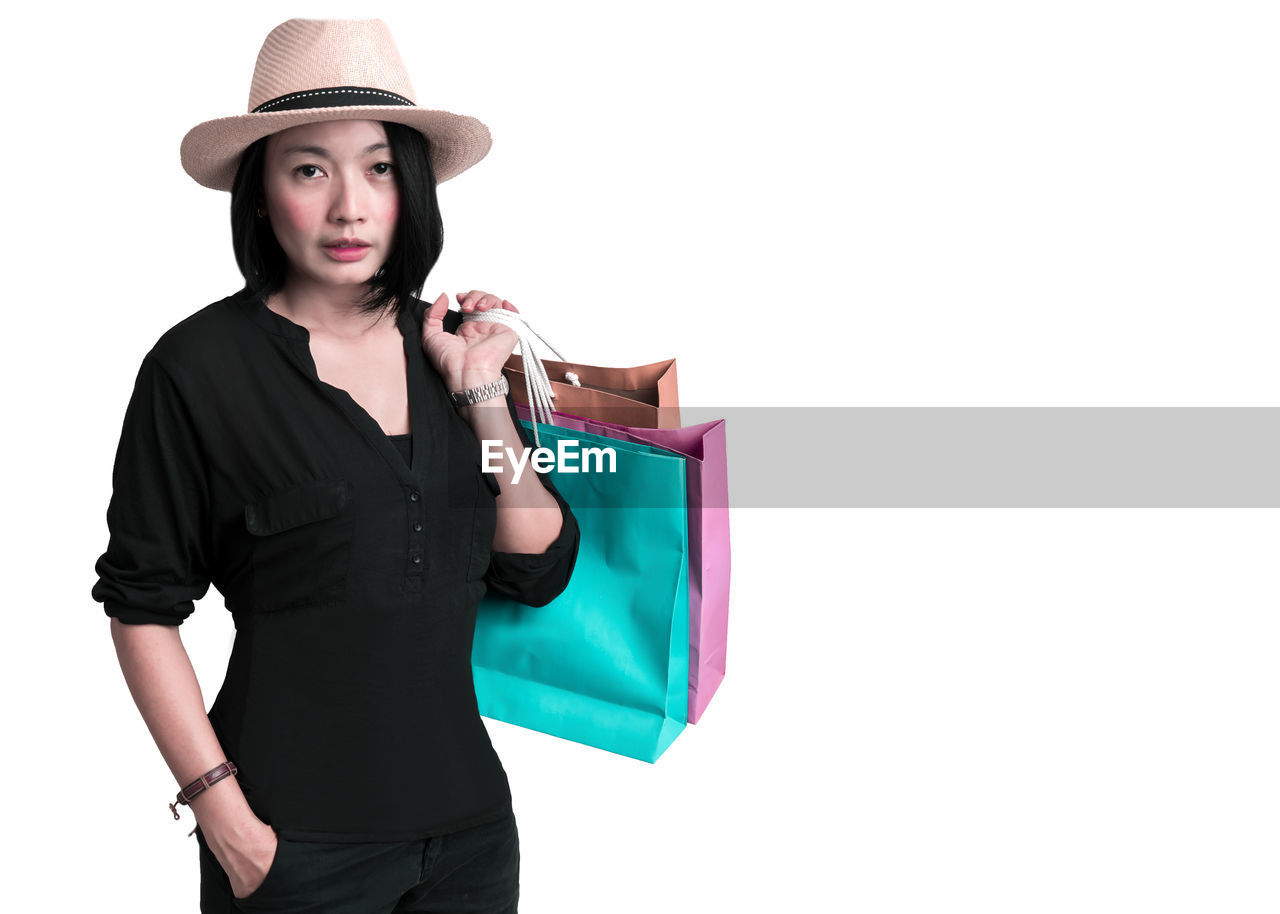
point(537, 386)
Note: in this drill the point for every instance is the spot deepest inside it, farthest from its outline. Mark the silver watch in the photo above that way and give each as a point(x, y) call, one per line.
point(473, 395)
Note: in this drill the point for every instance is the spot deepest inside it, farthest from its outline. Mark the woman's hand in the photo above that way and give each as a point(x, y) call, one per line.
point(246, 862)
point(476, 353)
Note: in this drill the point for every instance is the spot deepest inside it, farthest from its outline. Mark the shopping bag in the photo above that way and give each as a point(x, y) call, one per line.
point(606, 663)
point(645, 396)
point(707, 487)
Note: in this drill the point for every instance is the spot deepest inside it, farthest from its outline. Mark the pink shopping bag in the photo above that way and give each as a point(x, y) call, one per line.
point(707, 485)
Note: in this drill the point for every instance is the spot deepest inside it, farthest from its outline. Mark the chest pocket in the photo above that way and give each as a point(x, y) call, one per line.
point(300, 544)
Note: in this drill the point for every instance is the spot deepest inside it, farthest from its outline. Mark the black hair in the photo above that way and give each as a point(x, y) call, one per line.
point(415, 247)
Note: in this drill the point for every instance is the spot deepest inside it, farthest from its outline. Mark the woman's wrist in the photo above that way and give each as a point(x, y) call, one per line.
point(472, 377)
point(224, 815)
point(479, 388)
point(197, 786)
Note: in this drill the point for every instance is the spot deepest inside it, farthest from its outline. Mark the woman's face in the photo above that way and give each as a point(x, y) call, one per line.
point(326, 183)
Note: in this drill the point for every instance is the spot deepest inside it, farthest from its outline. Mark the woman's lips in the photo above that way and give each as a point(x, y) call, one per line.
point(346, 252)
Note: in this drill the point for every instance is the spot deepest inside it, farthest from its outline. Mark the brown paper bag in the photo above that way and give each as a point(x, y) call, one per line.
point(645, 396)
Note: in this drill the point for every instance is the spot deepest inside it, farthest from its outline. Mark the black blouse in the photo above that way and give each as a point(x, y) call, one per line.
point(352, 569)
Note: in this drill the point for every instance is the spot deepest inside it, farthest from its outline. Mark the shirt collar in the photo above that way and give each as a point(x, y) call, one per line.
point(409, 321)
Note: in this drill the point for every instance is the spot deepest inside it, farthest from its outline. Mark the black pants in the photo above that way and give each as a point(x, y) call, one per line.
point(475, 870)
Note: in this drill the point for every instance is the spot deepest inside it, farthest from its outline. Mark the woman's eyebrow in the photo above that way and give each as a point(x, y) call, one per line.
point(321, 151)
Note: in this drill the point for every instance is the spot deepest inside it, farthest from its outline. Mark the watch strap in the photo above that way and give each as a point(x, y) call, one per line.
point(473, 395)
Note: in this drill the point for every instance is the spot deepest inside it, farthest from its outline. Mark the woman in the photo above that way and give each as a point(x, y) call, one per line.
point(310, 445)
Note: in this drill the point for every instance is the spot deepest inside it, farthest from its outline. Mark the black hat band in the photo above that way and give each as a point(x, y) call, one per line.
point(331, 98)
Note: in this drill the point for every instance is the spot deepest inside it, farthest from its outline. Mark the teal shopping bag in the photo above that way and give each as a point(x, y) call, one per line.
point(607, 662)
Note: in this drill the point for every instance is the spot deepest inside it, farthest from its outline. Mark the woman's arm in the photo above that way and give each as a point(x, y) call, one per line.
point(164, 686)
point(529, 519)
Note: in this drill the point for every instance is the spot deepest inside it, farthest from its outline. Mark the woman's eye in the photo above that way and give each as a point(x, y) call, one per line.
point(387, 166)
point(302, 169)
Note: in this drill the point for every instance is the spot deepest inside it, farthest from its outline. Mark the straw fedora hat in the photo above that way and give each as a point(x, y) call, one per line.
point(329, 69)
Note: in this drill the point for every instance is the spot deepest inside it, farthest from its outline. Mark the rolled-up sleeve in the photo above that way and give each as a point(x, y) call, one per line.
point(157, 558)
point(536, 579)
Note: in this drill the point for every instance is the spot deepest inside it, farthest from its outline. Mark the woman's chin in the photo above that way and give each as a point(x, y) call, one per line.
point(343, 278)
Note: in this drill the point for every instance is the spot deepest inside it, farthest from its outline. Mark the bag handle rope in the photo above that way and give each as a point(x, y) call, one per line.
point(537, 386)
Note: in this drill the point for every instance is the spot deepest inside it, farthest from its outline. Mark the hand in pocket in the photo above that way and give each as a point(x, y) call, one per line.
point(251, 863)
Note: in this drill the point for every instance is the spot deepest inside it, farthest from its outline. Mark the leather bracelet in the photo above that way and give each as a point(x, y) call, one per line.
point(200, 785)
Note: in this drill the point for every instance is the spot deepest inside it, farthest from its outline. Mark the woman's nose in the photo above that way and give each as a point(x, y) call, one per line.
point(349, 200)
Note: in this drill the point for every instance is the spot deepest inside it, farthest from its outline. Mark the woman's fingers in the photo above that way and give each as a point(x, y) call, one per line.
point(438, 308)
point(434, 318)
point(476, 300)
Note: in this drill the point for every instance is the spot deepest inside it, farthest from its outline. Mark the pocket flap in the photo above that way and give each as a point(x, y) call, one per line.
point(293, 507)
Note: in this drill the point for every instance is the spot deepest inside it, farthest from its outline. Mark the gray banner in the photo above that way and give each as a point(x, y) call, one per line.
point(1000, 457)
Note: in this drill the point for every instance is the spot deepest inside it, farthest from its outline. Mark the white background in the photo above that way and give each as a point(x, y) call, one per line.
point(898, 203)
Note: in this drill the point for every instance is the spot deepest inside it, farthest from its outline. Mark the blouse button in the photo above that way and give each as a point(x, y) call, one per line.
point(413, 496)
point(416, 526)
point(417, 560)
